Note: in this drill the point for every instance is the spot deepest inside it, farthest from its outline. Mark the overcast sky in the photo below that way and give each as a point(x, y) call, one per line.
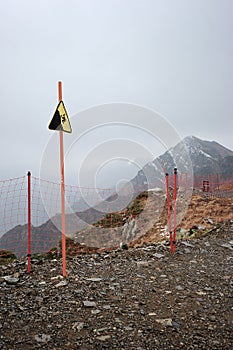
point(172, 56)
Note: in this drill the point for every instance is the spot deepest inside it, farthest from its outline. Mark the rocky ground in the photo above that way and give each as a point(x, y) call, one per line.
point(141, 298)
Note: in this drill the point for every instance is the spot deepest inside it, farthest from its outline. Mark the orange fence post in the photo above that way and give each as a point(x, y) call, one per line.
point(168, 209)
point(29, 222)
point(174, 210)
point(62, 190)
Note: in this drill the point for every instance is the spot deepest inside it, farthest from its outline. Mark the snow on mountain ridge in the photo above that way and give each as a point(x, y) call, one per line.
point(205, 154)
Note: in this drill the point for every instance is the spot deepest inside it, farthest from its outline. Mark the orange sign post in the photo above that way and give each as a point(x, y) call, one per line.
point(63, 220)
point(60, 122)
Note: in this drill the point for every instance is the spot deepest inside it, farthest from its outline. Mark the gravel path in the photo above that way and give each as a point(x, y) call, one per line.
point(139, 299)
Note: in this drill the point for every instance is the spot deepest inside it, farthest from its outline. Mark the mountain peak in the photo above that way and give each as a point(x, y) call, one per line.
point(190, 138)
point(212, 149)
point(205, 158)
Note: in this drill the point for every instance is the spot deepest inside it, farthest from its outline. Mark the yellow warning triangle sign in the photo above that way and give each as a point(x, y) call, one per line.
point(60, 120)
